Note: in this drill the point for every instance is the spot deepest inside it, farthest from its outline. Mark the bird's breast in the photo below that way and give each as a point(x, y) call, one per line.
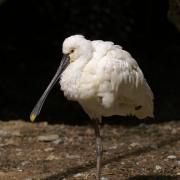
point(78, 84)
point(69, 86)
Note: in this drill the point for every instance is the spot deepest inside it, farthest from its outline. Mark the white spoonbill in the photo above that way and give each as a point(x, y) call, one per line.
point(104, 79)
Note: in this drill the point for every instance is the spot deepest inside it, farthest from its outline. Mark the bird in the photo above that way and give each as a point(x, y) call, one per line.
point(105, 80)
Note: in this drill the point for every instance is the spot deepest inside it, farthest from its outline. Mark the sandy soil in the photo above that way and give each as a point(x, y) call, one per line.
point(31, 151)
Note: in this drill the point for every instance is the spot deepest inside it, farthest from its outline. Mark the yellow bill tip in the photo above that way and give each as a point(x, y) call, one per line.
point(32, 117)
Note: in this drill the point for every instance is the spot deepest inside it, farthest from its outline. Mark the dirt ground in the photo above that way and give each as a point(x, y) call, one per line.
point(38, 151)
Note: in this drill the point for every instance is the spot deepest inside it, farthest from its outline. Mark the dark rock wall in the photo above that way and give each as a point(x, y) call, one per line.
point(31, 34)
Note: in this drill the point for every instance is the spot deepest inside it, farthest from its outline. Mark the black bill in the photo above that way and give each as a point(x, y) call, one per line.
point(64, 63)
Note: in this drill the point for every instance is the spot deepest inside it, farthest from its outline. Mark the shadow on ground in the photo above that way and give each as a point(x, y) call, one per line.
point(154, 178)
point(117, 158)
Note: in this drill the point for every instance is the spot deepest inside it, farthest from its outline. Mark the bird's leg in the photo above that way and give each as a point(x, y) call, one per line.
point(99, 150)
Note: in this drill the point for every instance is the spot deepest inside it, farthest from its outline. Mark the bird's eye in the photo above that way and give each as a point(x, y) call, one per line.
point(72, 50)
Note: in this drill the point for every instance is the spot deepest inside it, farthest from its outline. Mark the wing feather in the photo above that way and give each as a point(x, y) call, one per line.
point(126, 86)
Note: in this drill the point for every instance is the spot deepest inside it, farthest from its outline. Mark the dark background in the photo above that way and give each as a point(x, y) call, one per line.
point(31, 34)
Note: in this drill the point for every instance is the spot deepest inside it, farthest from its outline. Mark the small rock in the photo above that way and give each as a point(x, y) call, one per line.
point(78, 175)
point(104, 178)
point(10, 142)
point(142, 125)
point(113, 147)
point(45, 123)
point(153, 146)
point(48, 138)
point(157, 167)
point(167, 127)
point(3, 133)
point(19, 169)
point(28, 179)
point(178, 174)
point(174, 131)
point(122, 144)
point(18, 149)
point(29, 138)
point(48, 149)
point(15, 133)
point(9, 133)
point(19, 153)
point(52, 157)
point(24, 163)
point(178, 162)
point(171, 157)
point(58, 141)
point(134, 144)
point(72, 156)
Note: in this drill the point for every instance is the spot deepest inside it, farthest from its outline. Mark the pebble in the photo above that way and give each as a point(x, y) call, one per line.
point(58, 141)
point(78, 175)
point(113, 147)
point(19, 154)
point(72, 156)
point(9, 133)
point(48, 138)
point(104, 178)
point(24, 163)
point(171, 157)
point(134, 144)
point(19, 169)
point(10, 142)
point(142, 125)
point(48, 149)
point(45, 123)
point(18, 149)
point(174, 131)
point(3, 133)
point(157, 167)
point(15, 133)
point(52, 157)
point(153, 146)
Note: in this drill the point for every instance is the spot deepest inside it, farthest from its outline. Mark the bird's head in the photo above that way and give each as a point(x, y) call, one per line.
point(74, 48)
point(77, 47)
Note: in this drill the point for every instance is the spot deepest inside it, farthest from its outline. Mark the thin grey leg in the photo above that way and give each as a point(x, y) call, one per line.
point(99, 150)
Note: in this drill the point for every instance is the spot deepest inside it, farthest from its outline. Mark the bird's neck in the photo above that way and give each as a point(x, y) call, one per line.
point(80, 64)
point(71, 77)
point(77, 69)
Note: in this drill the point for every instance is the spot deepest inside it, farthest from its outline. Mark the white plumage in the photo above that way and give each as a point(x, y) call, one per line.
point(105, 79)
